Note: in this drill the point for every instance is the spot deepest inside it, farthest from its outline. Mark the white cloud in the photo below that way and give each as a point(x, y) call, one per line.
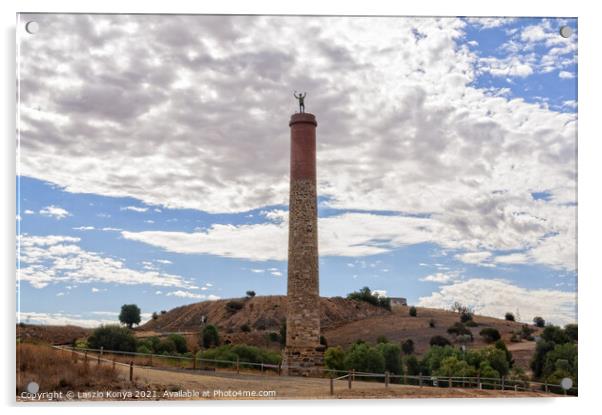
point(276, 273)
point(441, 277)
point(495, 297)
point(401, 128)
point(380, 293)
point(53, 259)
point(29, 212)
point(164, 261)
point(490, 22)
point(134, 208)
point(84, 228)
point(54, 212)
point(61, 319)
point(477, 258)
point(566, 75)
point(188, 294)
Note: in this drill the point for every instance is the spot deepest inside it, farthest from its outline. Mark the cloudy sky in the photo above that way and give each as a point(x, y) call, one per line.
point(154, 154)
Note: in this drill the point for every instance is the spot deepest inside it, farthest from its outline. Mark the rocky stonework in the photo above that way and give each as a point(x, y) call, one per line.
point(303, 352)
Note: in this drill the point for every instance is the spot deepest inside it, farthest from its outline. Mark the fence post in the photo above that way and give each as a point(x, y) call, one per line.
point(503, 383)
point(449, 384)
point(331, 385)
point(86, 357)
point(516, 387)
point(131, 370)
point(386, 379)
point(262, 368)
point(237, 364)
point(280, 369)
point(113, 362)
point(194, 361)
point(545, 385)
point(405, 378)
point(420, 379)
point(479, 381)
point(349, 379)
point(151, 360)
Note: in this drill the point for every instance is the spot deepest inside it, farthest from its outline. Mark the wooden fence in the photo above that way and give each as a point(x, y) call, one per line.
point(147, 360)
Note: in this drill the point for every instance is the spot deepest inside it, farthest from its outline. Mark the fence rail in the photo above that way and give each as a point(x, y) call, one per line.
point(201, 363)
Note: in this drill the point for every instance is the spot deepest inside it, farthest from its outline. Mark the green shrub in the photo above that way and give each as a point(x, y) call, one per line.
point(209, 336)
point(431, 360)
point(365, 294)
point(509, 317)
point(412, 365)
point(408, 346)
point(392, 355)
point(180, 342)
point(495, 358)
point(500, 345)
point(542, 348)
point(471, 323)
point(458, 329)
point(250, 294)
point(539, 322)
point(413, 311)
point(439, 341)
point(144, 349)
point(167, 346)
point(274, 337)
point(155, 315)
point(490, 334)
point(245, 328)
point(334, 358)
point(234, 306)
point(432, 323)
point(382, 339)
point(364, 358)
point(554, 334)
point(112, 337)
point(245, 353)
point(466, 316)
point(571, 331)
point(453, 366)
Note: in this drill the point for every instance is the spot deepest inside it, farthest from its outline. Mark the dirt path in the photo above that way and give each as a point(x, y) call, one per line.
point(229, 385)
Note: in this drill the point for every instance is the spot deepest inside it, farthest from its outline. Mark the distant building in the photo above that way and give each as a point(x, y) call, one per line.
point(399, 301)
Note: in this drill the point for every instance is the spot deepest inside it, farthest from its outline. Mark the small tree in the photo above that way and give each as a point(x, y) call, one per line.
point(334, 358)
point(112, 337)
point(180, 342)
point(408, 346)
point(539, 321)
point(490, 334)
point(130, 315)
point(155, 315)
point(250, 294)
point(509, 317)
point(245, 328)
point(209, 336)
point(439, 341)
point(382, 339)
point(413, 311)
point(432, 323)
point(323, 341)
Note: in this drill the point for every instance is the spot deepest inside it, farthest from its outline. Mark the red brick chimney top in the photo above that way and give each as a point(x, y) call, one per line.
point(303, 117)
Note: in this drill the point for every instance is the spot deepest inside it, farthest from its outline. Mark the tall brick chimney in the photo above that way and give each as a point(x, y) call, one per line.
point(303, 353)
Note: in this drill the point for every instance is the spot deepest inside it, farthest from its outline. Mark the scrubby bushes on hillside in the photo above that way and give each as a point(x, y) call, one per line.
point(365, 294)
point(112, 337)
point(556, 354)
point(490, 334)
point(439, 341)
point(413, 311)
point(243, 352)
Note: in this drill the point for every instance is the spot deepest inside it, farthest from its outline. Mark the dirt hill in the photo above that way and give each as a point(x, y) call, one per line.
point(259, 313)
point(343, 322)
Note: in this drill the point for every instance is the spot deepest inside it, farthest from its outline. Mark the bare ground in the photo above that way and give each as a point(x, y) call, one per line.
point(286, 387)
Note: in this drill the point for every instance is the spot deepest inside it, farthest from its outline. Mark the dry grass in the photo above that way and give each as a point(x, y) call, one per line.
point(55, 370)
